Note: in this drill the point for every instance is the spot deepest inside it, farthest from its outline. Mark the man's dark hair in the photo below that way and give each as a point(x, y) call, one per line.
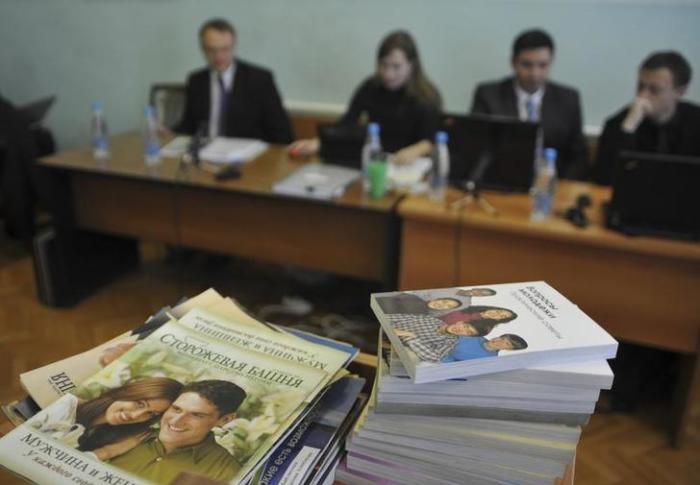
point(222, 25)
point(532, 39)
point(225, 395)
point(517, 341)
point(674, 62)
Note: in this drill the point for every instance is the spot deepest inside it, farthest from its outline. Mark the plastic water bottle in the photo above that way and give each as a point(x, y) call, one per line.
point(440, 169)
point(151, 143)
point(371, 151)
point(100, 137)
point(544, 186)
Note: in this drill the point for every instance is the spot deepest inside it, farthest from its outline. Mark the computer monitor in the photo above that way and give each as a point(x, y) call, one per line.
point(656, 194)
point(342, 144)
point(502, 148)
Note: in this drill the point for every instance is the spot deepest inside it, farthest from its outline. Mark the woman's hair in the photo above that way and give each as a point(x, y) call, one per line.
point(418, 85)
point(450, 319)
point(483, 326)
point(103, 434)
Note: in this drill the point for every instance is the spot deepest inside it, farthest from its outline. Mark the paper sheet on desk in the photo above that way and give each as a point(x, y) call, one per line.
point(219, 150)
point(175, 147)
point(232, 150)
point(410, 174)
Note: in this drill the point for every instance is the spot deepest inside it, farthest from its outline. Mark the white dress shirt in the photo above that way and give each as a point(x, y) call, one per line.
point(523, 97)
point(215, 90)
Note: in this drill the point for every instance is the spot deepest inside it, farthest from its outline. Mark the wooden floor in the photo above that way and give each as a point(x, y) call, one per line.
point(615, 448)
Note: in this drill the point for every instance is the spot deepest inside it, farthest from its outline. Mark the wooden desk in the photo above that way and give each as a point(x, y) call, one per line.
point(352, 236)
point(642, 290)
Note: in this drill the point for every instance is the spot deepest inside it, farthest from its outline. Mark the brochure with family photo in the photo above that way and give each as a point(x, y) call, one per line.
point(469, 331)
point(179, 401)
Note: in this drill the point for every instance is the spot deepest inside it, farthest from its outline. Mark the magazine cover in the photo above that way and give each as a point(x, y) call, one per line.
point(469, 331)
point(178, 401)
point(47, 383)
point(295, 459)
point(277, 344)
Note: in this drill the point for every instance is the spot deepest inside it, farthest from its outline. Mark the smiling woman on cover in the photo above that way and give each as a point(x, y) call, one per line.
point(399, 97)
point(112, 423)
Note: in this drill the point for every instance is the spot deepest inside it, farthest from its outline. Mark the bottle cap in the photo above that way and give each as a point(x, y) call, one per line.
point(550, 154)
point(441, 137)
point(149, 110)
point(373, 128)
point(97, 105)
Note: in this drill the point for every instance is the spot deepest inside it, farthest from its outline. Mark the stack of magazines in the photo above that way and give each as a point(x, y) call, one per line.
point(484, 384)
point(201, 392)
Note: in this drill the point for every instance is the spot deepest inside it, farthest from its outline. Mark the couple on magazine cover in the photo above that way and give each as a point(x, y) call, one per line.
point(443, 325)
point(154, 427)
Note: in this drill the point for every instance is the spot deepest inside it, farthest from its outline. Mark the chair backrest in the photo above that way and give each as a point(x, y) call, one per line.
point(169, 102)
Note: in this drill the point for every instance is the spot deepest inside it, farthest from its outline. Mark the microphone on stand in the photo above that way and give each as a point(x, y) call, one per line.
point(473, 183)
point(196, 142)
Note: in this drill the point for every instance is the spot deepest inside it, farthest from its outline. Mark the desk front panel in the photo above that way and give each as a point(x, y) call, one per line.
point(639, 298)
point(336, 238)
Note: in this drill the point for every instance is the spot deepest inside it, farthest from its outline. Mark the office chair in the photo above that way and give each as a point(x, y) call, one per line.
point(169, 102)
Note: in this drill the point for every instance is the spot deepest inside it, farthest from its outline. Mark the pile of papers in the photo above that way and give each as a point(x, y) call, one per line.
point(317, 181)
point(220, 150)
point(478, 385)
point(199, 391)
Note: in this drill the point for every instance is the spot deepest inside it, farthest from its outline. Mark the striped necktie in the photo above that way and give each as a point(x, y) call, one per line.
point(531, 109)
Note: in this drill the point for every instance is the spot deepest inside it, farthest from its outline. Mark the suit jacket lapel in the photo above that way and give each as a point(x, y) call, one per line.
point(548, 110)
point(205, 89)
point(510, 103)
point(237, 96)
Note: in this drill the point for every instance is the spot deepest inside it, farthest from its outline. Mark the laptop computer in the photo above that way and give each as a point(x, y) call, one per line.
point(317, 181)
point(502, 149)
point(342, 144)
point(656, 194)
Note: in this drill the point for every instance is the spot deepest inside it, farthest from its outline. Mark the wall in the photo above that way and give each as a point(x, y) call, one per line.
point(113, 50)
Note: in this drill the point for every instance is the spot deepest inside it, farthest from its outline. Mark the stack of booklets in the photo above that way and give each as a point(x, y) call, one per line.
point(478, 385)
point(201, 392)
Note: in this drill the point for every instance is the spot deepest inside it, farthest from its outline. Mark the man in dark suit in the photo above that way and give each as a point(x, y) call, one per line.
point(232, 97)
point(529, 95)
point(657, 120)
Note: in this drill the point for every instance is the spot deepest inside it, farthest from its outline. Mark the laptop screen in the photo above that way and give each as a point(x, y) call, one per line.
point(509, 144)
point(656, 194)
point(342, 144)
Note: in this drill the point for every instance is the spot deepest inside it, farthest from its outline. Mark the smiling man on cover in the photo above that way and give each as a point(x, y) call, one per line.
point(185, 442)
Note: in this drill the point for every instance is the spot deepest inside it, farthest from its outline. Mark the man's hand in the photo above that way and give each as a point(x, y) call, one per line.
point(640, 109)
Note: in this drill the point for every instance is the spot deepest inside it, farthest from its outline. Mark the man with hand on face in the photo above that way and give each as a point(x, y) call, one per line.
point(529, 95)
point(231, 97)
point(184, 442)
point(657, 120)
